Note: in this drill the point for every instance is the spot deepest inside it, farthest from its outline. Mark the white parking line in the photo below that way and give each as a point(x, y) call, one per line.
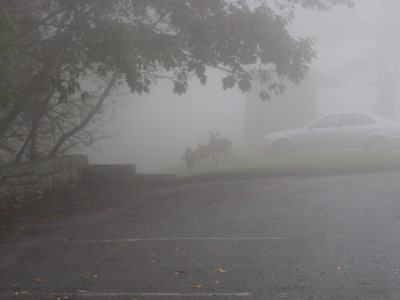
point(109, 295)
point(256, 238)
point(183, 239)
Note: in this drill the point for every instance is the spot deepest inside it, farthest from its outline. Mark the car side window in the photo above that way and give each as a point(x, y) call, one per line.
point(328, 122)
point(352, 120)
point(356, 120)
point(368, 120)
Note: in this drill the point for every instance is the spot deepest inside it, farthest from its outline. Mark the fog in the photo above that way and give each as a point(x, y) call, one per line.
point(153, 129)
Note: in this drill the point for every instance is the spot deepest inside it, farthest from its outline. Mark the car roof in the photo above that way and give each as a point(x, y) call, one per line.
point(350, 112)
point(374, 115)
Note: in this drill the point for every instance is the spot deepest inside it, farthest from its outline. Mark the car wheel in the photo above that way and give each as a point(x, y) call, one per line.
point(377, 144)
point(283, 146)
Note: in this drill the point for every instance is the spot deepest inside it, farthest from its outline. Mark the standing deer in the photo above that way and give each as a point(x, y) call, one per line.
point(194, 157)
point(202, 152)
point(190, 158)
point(220, 146)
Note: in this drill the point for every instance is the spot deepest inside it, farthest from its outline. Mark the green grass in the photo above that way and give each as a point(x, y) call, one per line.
point(295, 162)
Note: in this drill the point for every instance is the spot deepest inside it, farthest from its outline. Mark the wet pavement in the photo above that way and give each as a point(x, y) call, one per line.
point(315, 237)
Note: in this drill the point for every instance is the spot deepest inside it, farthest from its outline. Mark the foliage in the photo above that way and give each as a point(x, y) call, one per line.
point(7, 48)
point(63, 46)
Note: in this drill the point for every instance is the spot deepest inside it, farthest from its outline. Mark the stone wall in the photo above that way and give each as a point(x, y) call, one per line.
point(124, 175)
point(27, 182)
point(99, 176)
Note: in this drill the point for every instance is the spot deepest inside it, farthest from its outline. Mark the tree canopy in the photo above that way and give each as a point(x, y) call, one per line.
point(68, 55)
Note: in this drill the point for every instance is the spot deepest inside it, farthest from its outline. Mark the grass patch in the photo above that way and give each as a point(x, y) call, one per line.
point(293, 162)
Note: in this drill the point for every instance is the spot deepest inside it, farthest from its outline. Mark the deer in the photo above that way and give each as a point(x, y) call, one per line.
point(220, 146)
point(202, 152)
point(190, 157)
point(194, 157)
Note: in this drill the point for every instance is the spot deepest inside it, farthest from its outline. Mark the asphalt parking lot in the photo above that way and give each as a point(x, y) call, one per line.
point(314, 237)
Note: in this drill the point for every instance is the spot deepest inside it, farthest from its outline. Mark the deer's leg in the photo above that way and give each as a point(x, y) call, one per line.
point(230, 156)
point(198, 165)
point(189, 168)
point(225, 157)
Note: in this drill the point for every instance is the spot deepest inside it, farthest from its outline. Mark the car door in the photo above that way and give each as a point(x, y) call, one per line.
point(354, 130)
point(322, 133)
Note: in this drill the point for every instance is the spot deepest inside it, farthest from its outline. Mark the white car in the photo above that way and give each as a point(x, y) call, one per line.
point(347, 130)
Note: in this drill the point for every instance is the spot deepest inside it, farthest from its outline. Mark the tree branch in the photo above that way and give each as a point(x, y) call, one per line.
point(88, 118)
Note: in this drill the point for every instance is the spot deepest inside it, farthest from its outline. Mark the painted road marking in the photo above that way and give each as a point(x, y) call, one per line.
point(81, 295)
point(166, 239)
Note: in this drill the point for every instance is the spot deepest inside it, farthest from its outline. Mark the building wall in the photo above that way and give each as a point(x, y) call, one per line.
point(294, 108)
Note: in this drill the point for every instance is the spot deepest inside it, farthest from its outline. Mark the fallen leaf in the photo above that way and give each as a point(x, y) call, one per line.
point(63, 298)
point(338, 268)
point(21, 292)
point(40, 280)
point(216, 281)
point(179, 273)
point(23, 227)
point(222, 270)
point(90, 275)
point(196, 286)
point(81, 291)
point(283, 295)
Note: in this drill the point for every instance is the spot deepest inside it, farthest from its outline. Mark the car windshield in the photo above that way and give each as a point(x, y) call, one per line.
point(327, 121)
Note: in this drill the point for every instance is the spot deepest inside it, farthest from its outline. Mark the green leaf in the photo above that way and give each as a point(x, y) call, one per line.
point(244, 85)
point(228, 82)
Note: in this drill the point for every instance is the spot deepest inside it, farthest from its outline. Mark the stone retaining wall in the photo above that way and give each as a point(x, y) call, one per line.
point(99, 176)
point(27, 182)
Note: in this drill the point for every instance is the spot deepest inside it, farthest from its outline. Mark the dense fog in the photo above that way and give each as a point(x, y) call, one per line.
point(153, 129)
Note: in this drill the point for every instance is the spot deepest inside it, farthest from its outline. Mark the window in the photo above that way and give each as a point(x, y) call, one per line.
point(356, 120)
point(328, 121)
